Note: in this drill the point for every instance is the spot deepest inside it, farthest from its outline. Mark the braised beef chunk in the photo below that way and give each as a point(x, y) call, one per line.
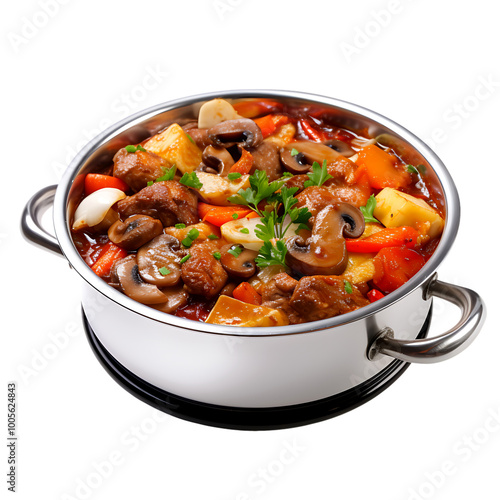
point(277, 294)
point(202, 273)
point(321, 297)
point(266, 157)
point(316, 198)
point(169, 201)
point(139, 168)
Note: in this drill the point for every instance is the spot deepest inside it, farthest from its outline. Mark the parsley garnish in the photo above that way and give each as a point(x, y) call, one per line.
point(190, 179)
point(164, 271)
point(368, 209)
point(318, 176)
point(347, 286)
point(287, 175)
point(217, 255)
point(232, 176)
point(235, 250)
point(186, 257)
point(411, 169)
point(272, 228)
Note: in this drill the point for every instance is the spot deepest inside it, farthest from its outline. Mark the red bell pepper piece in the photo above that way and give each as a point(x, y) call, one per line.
point(388, 237)
point(270, 123)
point(374, 295)
point(394, 266)
point(94, 182)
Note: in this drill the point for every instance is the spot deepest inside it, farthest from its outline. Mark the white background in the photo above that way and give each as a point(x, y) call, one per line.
point(71, 68)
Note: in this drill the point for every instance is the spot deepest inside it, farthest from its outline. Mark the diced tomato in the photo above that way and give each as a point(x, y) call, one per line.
point(381, 168)
point(253, 108)
point(244, 164)
point(271, 123)
point(374, 295)
point(394, 266)
point(247, 293)
point(387, 237)
point(109, 255)
point(94, 182)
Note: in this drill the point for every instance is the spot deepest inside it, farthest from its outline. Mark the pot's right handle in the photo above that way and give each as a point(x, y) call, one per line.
point(443, 346)
point(31, 220)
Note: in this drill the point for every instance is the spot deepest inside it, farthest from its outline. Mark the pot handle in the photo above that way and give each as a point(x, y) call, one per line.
point(443, 346)
point(31, 220)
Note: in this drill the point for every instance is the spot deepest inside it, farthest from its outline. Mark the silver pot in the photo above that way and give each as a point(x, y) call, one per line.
point(259, 368)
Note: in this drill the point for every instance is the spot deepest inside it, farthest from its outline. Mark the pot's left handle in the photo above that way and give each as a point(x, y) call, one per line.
point(31, 220)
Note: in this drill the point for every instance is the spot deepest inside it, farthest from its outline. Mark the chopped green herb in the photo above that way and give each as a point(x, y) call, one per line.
point(187, 242)
point(190, 138)
point(245, 230)
point(232, 176)
point(150, 183)
point(180, 226)
point(140, 148)
point(347, 286)
point(271, 255)
point(411, 169)
point(234, 216)
point(368, 209)
point(164, 271)
point(168, 174)
point(217, 255)
point(193, 233)
point(190, 179)
point(130, 148)
point(318, 176)
point(286, 175)
point(294, 152)
point(185, 258)
point(235, 250)
point(212, 237)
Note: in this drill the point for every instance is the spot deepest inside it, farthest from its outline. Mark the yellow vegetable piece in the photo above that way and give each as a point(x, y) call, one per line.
point(283, 136)
point(175, 146)
point(360, 268)
point(395, 209)
point(229, 311)
point(216, 189)
point(205, 229)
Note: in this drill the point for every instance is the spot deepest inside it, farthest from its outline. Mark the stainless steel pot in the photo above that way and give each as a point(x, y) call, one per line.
point(261, 367)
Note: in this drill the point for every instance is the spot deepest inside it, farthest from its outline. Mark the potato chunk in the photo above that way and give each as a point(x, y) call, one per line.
point(174, 146)
point(229, 311)
point(395, 208)
point(216, 189)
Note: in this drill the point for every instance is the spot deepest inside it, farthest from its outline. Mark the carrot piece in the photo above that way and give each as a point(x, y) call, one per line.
point(251, 109)
point(388, 237)
point(311, 132)
point(374, 295)
point(247, 293)
point(94, 182)
point(109, 255)
point(220, 215)
point(381, 168)
point(270, 123)
point(244, 164)
point(252, 215)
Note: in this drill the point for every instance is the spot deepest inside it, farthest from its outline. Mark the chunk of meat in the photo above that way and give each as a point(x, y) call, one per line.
point(315, 198)
point(266, 157)
point(137, 169)
point(321, 297)
point(169, 201)
point(277, 294)
point(202, 273)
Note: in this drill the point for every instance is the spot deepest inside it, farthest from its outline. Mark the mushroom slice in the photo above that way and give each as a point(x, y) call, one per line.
point(243, 132)
point(176, 297)
point(341, 147)
point(134, 231)
point(308, 153)
point(266, 157)
point(214, 112)
point(238, 261)
point(132, 285)
point(324, 252)
point(217, 160)
point(159, 259)
point(95, 206)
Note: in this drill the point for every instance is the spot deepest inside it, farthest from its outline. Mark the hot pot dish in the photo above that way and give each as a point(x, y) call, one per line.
point(259, 249)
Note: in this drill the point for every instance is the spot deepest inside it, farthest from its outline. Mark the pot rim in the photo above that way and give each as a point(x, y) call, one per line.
point(63, 233)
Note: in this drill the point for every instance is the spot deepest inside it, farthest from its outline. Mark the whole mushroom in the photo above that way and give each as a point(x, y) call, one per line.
point(243, 132)
point(134, 231)
point(238, 261)
point(216, 160)
point(324, 252)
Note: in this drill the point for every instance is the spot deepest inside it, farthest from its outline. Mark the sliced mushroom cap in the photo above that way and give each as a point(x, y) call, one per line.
point(341, 147)
point(238, 261)
point(199, 135)
point(134, 231)
point(159, 261)
point(266, 157)
point(132, 285)
point(216, 160)
point(176, 297)
point(308, 153)
point(325, 251)
point(243, 132)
